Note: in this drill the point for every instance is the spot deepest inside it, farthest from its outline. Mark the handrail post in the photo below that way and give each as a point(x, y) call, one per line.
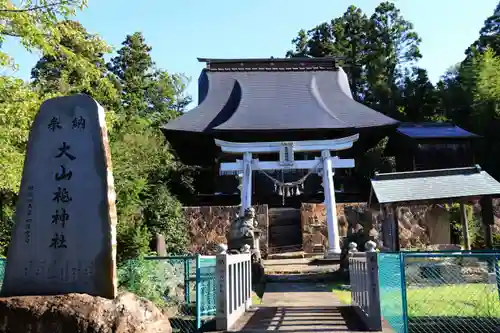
point(404, 301)
point(223, 310)
point(198, 294)
point(187, 280)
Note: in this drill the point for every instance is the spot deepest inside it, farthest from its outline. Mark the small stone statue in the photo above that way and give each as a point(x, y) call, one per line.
point(221, 248)
point(353, 247)
point(248, 223)
point(370, 246)
point(243, 227)
point(245, 249)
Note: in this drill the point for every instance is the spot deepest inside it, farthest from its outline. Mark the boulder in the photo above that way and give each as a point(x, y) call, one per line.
point(81, 313)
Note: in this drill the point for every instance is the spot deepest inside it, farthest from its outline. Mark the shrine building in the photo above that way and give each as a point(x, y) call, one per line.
point(287, 132)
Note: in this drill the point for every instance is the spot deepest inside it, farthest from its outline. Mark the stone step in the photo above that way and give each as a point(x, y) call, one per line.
point(298, 266)
point(286, 261)
point(331, 276)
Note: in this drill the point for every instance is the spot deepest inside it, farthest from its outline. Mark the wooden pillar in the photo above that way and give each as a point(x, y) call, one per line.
point(394, 209)
point(391, 227)
point(488, 220)
point(465, 226)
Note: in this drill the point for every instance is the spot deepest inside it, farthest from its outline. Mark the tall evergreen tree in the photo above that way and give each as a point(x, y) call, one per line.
point(393, 46)
point(377, 50)
point(133, 68)
point(489, 35)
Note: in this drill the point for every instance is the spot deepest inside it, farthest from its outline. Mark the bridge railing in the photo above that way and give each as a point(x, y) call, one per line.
point(234, 288)
point(363, 274)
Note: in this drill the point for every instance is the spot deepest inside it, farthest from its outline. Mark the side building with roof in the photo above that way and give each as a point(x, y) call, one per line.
point(432, 145)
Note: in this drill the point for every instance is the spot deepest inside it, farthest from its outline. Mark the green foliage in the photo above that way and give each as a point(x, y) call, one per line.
point(55, 72)
point(163, 214)
point(133, 240)
point(33, 23)
point(146, 173)
point(154, 280)
point(374, 160)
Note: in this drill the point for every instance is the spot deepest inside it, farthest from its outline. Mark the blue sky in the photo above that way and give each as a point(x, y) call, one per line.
point(182, 30)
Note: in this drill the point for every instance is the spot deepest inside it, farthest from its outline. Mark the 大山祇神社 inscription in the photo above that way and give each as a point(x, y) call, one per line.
point(64, 235)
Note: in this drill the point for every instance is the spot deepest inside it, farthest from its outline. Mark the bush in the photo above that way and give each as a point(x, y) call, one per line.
point(132, 241)
point(155, 280)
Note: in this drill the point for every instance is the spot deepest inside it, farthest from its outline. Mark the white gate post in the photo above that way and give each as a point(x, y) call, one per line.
point(246, 191)
point(330, 204)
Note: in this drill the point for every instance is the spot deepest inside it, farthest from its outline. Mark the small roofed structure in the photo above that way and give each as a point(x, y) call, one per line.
point(463, 185)
point(437, 145)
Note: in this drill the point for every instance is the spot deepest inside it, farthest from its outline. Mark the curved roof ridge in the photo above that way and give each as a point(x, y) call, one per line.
point(277, 101)
point(343, 83)
point(314, 90)
point(199, 118)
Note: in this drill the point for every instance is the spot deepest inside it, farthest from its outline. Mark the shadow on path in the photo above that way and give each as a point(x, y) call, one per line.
point(302, 319)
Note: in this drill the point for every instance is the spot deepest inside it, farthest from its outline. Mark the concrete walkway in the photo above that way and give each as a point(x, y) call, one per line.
point(299, 307)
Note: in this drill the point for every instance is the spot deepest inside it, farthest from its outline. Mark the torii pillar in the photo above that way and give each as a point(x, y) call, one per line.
point(331, 206)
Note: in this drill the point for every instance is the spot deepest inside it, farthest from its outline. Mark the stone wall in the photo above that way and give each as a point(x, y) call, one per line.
point(209, 225)
point(351, 217)
point(419, 226)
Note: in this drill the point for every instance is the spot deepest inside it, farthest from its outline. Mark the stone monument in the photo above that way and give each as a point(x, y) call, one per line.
point(64, 238)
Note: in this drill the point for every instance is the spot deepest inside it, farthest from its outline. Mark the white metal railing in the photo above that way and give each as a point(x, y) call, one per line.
point(234, 288)
point(365, 298)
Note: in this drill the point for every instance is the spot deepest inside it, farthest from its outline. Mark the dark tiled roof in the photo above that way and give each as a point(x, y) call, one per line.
point(434, 130)
point(433, 185)
point(289, 97)
point(272, 64)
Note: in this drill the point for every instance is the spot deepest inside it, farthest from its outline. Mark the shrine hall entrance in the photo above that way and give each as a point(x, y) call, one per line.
point(285, 230)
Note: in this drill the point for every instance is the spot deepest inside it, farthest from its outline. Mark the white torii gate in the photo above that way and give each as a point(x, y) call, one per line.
point(325, 166)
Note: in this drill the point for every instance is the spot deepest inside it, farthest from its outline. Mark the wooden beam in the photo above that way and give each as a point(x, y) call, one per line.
point(298, 146)
point(465, 226)
point(237, 166)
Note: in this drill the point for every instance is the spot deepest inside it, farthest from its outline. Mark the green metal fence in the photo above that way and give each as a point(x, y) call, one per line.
point(445, 292)
point(188, 287)
point(2, 271)
point(392, 287)
point(183, 285)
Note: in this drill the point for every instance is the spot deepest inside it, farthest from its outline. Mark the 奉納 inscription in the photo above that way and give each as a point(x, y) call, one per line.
point(54, 124)
point(79, 123)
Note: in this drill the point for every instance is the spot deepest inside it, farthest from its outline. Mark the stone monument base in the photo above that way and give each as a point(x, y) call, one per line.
point(81, 313)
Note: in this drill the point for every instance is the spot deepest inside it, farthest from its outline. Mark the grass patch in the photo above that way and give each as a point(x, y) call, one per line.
point(256, 299)
point(344, 296)
point(461, 300)
point(466, 300)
